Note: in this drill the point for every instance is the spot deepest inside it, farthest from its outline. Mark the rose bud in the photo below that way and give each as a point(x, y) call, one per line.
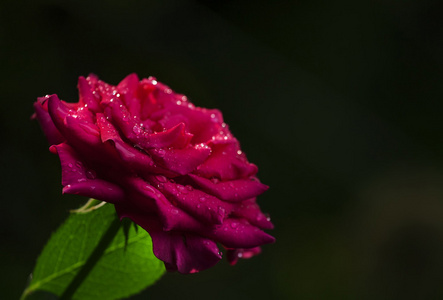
point(172, 168)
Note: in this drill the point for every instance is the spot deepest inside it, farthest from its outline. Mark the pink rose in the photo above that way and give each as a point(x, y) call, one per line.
point(173, 168)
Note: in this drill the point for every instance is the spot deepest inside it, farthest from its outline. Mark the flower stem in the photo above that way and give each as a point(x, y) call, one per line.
point(95, 256)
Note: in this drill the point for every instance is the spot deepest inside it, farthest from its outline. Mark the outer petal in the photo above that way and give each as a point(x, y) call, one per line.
point(233, 190)
point(80, 180)
point(41, 112)
point(235, 233)
point(226, 162)
point(250, 211)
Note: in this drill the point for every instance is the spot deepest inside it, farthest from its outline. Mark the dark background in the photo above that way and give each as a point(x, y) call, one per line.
point(339, 103)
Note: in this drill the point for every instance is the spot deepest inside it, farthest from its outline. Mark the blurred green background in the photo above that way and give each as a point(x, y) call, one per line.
point(339, 103)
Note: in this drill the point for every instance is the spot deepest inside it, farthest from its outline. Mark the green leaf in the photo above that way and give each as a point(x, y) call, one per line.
point(92, 256)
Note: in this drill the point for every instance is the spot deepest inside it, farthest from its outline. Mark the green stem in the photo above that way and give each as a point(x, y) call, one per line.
point(93, 259)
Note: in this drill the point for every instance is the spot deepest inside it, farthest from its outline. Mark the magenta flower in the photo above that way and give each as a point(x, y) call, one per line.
point(173, 168)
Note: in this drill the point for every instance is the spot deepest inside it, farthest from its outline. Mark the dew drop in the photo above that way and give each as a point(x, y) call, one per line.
point(70, 165)
point(240, 254)
point(202, 199)
point(91, 174)
point(136, 129)
point(189, 188)
point(221, 211)
point(174, 211)
point(234, 225)
point(79, 164)
point(239, 152)
point(148, 188)
point(161, 152)
point(199, 205)
point(182, 189)
point(161, 178)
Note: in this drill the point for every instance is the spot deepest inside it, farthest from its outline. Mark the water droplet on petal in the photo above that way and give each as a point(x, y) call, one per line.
point(184, 189)
point(234, 225)
point(199, 205)
point(161, 178)
point(202, 199)
point(221, 211)
point(136, 129)
point(148, 188)
point(79, 164)
point(161, 152)
point(174, 211)
point(91, 174)
point(189, 188)
point(70, 165)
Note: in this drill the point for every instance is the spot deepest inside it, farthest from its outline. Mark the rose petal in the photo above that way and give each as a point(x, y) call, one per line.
point(86, 96)
point(233, 190)
point(181, 161)
point(236, 233)
point(127, 89)
point(250, 211)
point(200, 205)
point(41, 112)
point(226, 162)
point(80, 180)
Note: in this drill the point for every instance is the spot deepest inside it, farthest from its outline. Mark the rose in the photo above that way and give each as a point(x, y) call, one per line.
point(173, 168)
